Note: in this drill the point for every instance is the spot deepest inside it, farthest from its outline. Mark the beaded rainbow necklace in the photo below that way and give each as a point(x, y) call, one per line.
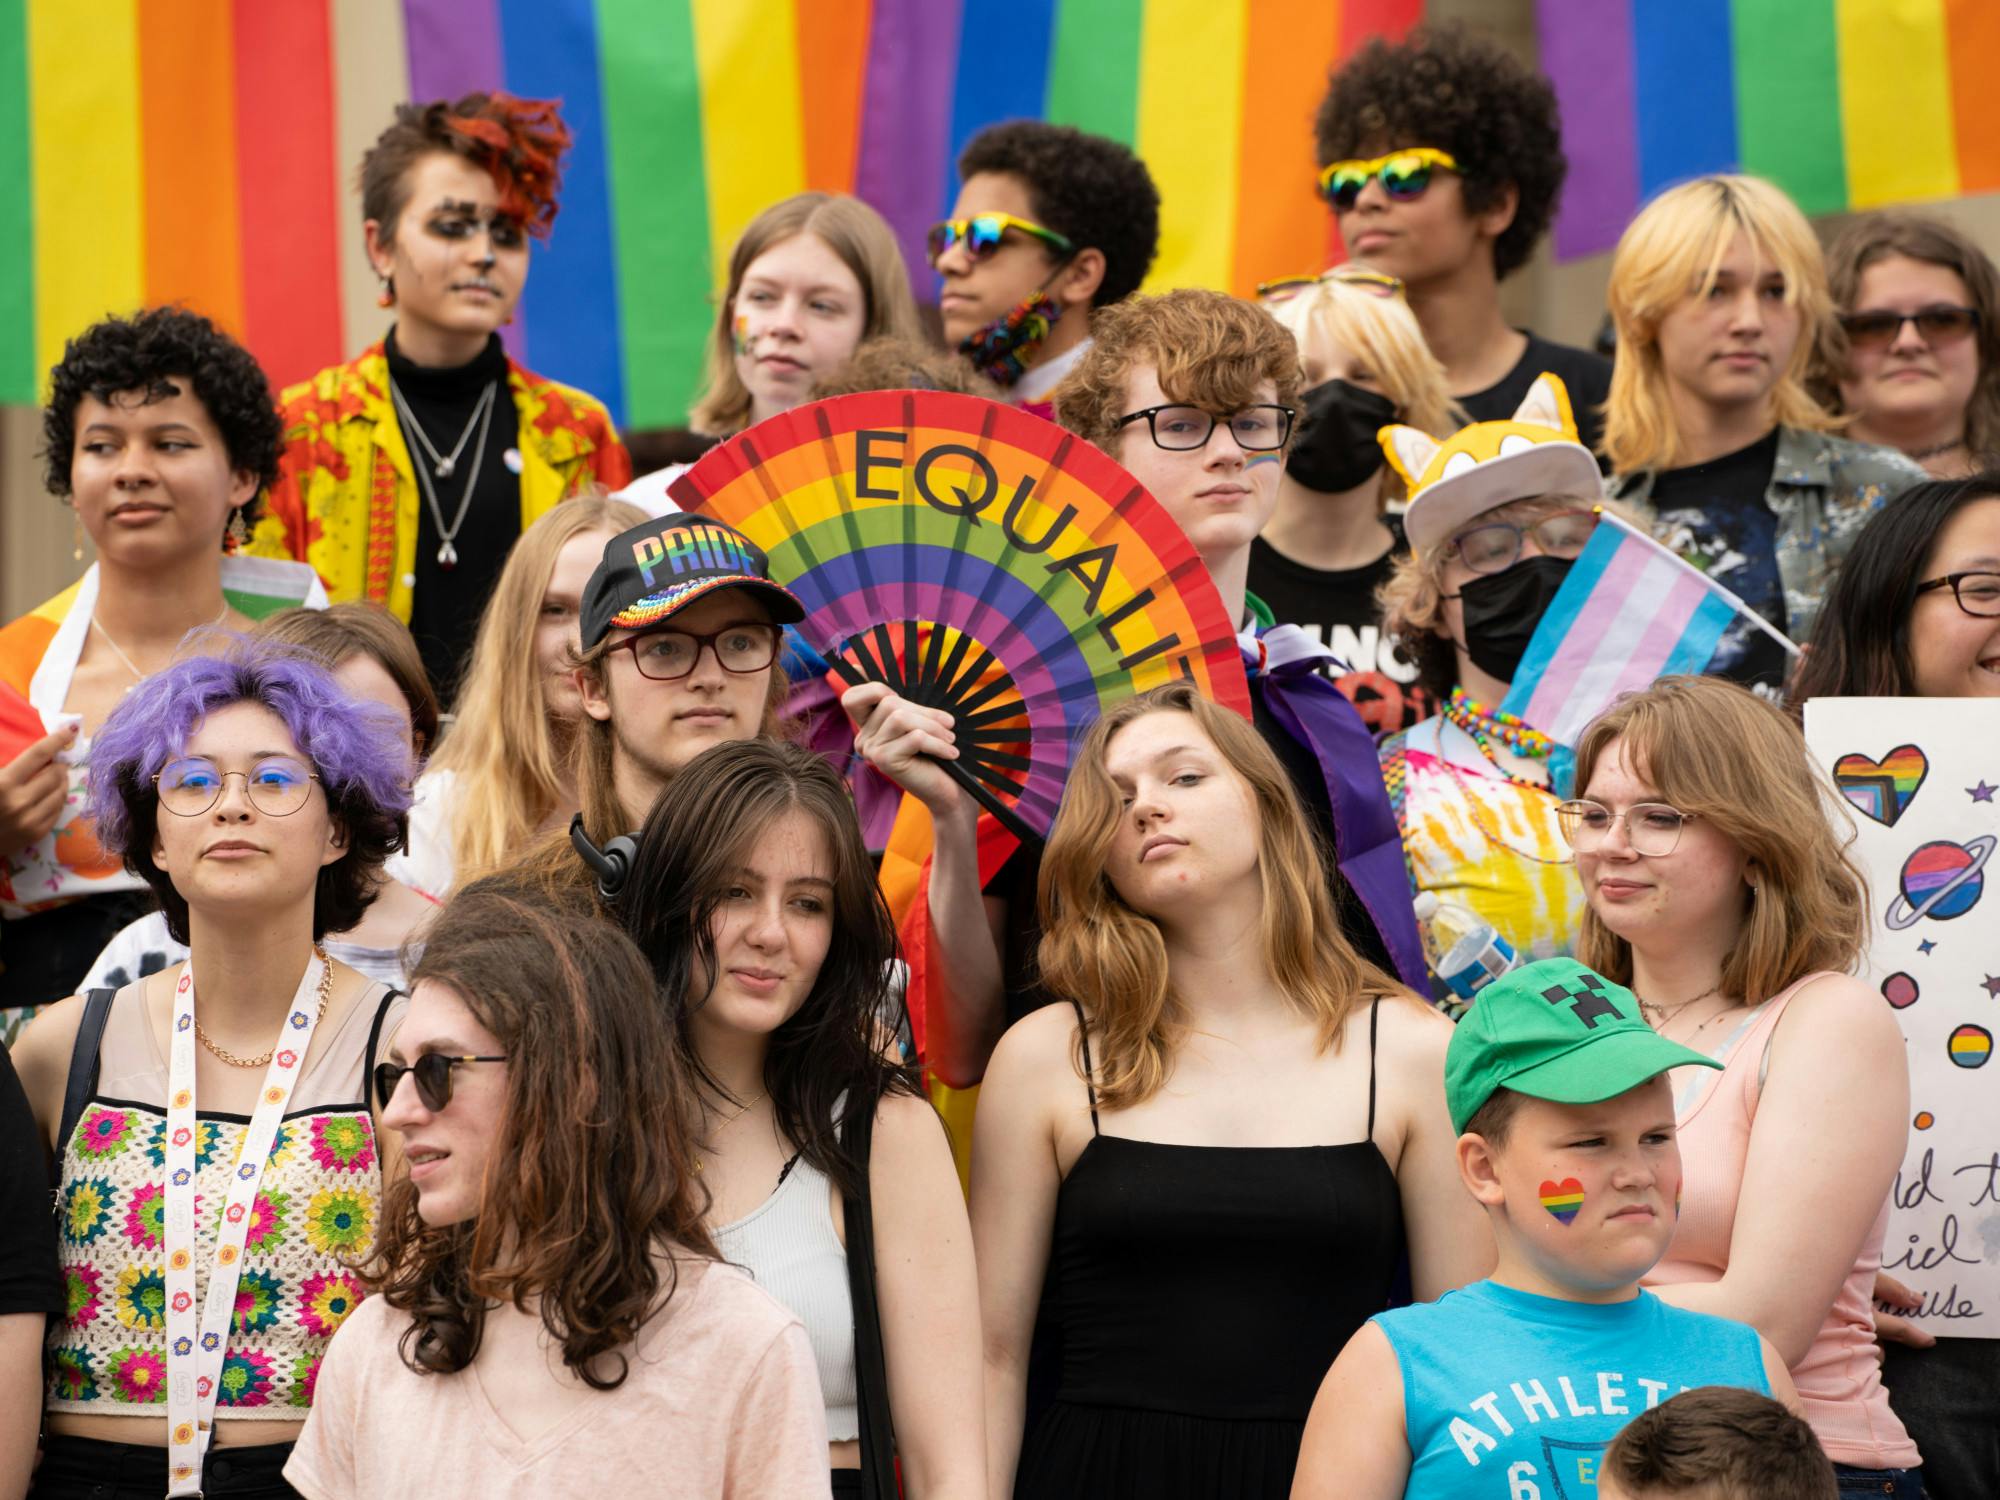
point(1486, 725)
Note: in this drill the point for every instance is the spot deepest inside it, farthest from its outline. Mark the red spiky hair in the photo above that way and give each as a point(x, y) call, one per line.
point(521, 142)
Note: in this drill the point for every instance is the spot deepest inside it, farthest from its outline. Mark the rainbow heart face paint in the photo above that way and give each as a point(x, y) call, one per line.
point(742, 333)
point(1563, 1199)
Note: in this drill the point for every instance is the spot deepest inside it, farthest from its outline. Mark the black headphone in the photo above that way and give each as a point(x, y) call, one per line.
point(612, 864)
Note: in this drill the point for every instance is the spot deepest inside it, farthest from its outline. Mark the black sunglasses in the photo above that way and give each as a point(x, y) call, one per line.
point(1943, 324)
point(433, 1075)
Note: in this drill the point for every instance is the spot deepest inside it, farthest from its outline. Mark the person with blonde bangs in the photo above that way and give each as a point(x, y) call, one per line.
point(811, 279)
point(505, 770)
point(1220, 1151)
point(1331, 542)
point(1719, 296)
point(1195, 394)
point(1914, 354)
point(1723, 894)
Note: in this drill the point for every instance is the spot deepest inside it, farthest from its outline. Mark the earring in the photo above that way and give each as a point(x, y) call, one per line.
point(76, 532)
point(239, 530)
point(387, 296)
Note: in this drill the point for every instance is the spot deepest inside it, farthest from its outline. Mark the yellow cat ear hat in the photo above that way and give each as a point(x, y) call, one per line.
point(1489, 464)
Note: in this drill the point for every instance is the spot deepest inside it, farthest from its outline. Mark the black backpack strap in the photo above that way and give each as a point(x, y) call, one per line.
point(871, 1370)
point(82, 1072)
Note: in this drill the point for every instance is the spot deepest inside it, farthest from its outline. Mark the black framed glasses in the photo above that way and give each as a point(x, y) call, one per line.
point(277, 786)
point(1977, 594)
point(668, 655)
point(433, 1074)
point(1651, 828)
point(1942, 323)
point(1495, 546)
point(1182, 429)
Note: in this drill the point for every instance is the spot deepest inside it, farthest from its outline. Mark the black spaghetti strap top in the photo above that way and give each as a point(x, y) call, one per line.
point(1203, 1292)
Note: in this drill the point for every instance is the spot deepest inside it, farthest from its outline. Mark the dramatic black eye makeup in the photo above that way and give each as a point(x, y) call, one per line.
point(454, 220)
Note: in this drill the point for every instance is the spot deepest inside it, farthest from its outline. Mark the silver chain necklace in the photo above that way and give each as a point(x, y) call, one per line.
point(443, 465)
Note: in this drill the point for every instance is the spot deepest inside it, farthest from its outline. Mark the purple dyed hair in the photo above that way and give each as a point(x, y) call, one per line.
point(358, 749)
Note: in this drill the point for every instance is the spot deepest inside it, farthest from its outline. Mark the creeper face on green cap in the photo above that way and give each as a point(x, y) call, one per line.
point(1559, 1031)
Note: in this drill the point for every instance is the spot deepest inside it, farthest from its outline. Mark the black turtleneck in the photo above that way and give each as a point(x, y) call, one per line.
point(444, 614)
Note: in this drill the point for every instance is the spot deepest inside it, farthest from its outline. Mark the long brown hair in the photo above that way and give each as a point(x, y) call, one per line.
point(361, 627)
point(1719, 751)
point(1112, 961)
point(722, 802)
point(510, 761)
point(591, 1184)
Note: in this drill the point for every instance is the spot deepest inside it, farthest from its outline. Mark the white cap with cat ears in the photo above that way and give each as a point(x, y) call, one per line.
point(1489, 464)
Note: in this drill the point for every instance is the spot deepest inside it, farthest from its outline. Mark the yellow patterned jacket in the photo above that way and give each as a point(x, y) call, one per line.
point(346, 498)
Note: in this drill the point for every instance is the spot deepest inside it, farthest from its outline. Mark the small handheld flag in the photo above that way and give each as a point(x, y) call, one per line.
point(1629, 612)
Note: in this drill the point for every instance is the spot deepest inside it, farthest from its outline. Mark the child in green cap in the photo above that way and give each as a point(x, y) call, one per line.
point(1509, 1389)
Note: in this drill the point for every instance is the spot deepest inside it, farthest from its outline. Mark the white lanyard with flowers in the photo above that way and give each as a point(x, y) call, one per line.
point(194, 1351)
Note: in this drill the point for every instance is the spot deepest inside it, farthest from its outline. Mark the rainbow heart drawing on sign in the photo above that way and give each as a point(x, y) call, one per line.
point(1563, 1199)
point(1883, 789)
point(978, 559)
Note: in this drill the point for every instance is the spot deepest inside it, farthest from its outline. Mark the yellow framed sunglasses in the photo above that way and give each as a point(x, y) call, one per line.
point(1287, 287)
point(982, 234)
point(1405, 175)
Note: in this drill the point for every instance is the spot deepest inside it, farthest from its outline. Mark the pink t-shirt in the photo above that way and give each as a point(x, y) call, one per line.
point(1840, 1378)
point(721, 1402)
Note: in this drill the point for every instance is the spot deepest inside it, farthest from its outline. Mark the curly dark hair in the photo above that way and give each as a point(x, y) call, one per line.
point(592, 1204)
point(146, 352)
point(1091, 190)
point(1448, 87)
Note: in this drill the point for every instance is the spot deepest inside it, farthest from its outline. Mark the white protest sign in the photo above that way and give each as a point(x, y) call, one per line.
point(1922, 778)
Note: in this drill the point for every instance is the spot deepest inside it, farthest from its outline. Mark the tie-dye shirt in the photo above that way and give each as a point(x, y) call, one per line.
point(1472, 836)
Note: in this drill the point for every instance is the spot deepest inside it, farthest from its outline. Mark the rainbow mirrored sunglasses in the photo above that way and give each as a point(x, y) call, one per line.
point(983, 233)
point(1287, 287)
point(1405, 174)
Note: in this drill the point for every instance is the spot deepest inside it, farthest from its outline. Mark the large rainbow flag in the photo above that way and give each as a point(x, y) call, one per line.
point(205, 150)
point(1846, 104)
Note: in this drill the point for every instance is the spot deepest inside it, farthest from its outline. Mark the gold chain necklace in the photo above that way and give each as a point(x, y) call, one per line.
point(325, 989)
point(1665, 1013)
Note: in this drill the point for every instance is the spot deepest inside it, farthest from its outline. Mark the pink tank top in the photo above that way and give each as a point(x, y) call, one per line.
point(1840, 1378)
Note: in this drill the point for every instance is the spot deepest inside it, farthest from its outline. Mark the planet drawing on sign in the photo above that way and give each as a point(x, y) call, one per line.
point(1882, 788)
point(1941, 880)
point(1924, 1120)
point(1970, 1046)
point(1900, 990)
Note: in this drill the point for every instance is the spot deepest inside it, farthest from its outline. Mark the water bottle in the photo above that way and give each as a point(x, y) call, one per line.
point(1465, 951)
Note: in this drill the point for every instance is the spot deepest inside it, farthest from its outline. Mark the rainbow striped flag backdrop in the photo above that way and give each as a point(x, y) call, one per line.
point(205, 150)
point(1846, 104)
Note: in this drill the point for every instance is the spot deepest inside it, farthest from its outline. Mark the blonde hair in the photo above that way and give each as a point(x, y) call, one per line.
point(1809, 909)
point(1209, 349)
point(1670, 253)
point(1112, 961)
point(865, 244)
point(1382, 334)
point(509, 760)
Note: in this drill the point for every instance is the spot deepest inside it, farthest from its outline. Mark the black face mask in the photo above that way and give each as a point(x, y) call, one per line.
point(1336, 450)
point(1503, 609)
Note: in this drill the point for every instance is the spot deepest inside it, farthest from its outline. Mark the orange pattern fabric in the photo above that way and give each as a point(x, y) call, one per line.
point(346, 498)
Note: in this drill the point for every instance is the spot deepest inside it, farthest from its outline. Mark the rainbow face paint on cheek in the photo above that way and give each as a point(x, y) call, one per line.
point(1563, 1199)
point(1263, 458)
point(742, 333)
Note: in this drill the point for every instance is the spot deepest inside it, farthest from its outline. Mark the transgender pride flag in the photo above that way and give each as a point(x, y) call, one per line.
point(1630, 611)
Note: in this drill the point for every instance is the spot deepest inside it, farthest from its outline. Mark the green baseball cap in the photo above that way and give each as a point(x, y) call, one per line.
point(1558, 1031)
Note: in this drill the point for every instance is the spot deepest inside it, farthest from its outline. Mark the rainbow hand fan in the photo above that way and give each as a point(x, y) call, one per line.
point(977, 559)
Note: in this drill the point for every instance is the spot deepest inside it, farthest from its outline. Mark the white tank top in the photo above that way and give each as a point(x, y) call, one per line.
point(787, 1243)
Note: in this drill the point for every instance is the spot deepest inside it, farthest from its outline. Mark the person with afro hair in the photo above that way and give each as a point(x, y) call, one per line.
point(1441, 158)
point(410, 471)
point(1050, 224)
point(159, 434)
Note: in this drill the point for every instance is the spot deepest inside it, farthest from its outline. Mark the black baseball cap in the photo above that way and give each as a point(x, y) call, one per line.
point(655, 569)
